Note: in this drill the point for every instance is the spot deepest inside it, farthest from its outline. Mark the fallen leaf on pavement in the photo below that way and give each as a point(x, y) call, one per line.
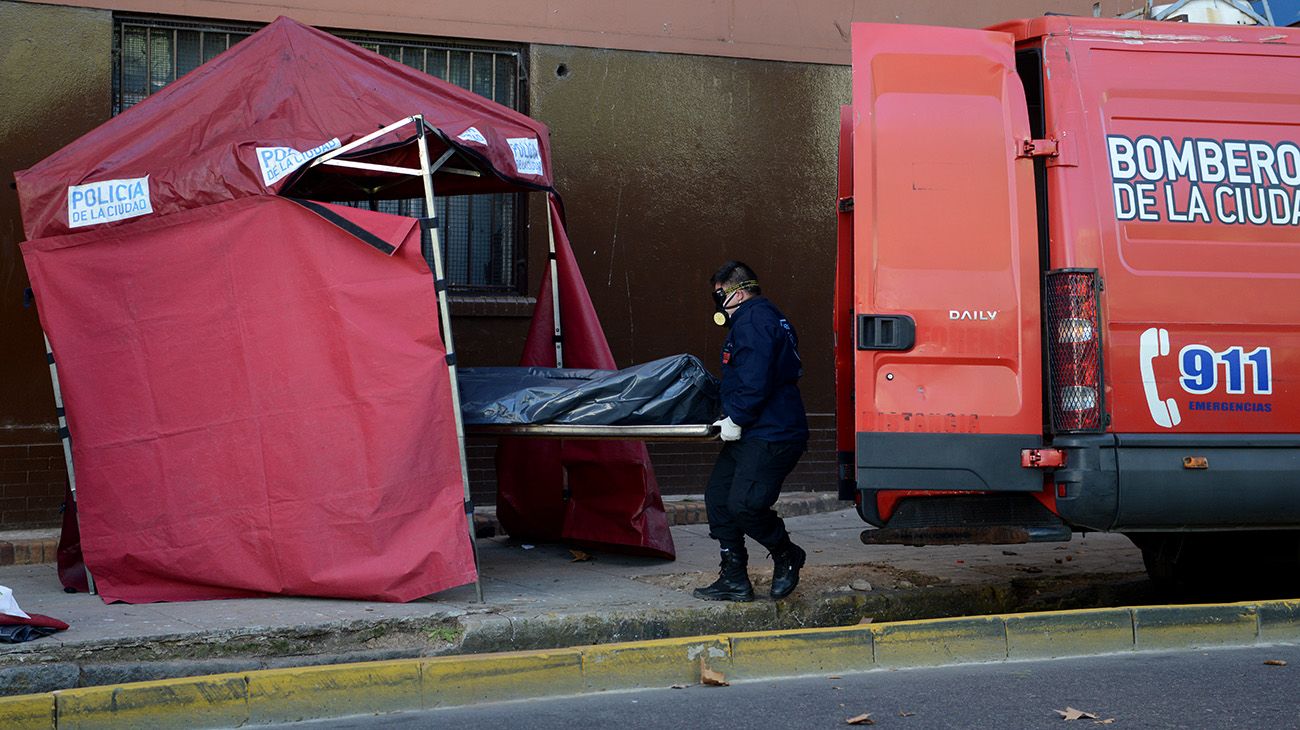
point(905, 713)
point(712, 678)
point(579, 556)
point(835, 676)
point(1107, 721)
point(1275, 662)
point(1069, 713)
point(863, 719)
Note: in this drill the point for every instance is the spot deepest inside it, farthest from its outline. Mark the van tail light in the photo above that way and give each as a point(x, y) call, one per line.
point(1074, 350)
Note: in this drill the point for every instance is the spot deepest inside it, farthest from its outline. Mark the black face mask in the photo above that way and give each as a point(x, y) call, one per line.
point(722, 297)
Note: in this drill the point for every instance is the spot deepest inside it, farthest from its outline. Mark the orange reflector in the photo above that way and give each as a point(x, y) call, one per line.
point(1042, 458)
point(1196, 462)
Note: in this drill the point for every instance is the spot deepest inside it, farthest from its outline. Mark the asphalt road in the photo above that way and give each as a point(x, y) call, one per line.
point(1220, 688)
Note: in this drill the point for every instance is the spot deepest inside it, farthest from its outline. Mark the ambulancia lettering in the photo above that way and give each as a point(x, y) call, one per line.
point(979, 315)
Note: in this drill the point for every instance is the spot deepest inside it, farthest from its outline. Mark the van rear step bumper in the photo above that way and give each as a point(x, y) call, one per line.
point(988, 535)
point(1006, 518)
point(946, 461)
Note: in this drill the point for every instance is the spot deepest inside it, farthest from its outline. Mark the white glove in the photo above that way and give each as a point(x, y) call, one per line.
point(730, 431)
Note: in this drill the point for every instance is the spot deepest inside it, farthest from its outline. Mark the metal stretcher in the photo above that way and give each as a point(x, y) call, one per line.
point(689, 432)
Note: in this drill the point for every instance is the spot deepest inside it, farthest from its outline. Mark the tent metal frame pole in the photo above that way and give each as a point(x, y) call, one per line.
point(358, 142)
point(444, 312)
point(66, 438)
point(555, 286)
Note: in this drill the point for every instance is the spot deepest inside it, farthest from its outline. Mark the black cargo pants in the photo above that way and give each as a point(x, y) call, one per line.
point(745, 483)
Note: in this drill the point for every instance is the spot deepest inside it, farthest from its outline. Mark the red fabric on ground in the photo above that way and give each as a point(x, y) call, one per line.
point(37, 619)
point(614, 500)
point(258, 404)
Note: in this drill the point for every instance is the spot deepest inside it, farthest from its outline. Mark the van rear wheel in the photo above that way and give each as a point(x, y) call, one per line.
point(1162, 556)
point(1221, 565)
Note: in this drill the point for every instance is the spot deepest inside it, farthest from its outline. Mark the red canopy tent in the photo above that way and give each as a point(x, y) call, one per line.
point(260, 388)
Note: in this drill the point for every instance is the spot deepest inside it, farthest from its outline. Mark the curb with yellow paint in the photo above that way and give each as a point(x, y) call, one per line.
point(289, 695)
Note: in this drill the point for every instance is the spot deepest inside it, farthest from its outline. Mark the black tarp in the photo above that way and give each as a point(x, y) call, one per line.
point(671, 391)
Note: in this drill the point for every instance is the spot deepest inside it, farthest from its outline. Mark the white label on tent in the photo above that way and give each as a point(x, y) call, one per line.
point(278, 162)
point(473, 135)
point(528, 158)
point(108, 200)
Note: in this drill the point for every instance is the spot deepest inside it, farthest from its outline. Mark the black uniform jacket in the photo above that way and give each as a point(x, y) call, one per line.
point(760, 374)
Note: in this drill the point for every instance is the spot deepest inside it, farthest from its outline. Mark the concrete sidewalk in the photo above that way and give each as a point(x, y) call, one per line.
point(29, 547)
point(540, 597)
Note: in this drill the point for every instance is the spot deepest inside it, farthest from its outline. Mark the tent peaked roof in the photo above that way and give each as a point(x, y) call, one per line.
point(245, 122)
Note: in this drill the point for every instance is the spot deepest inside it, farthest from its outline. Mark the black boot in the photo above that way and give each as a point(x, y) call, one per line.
point(733, 580)
point(787, 559)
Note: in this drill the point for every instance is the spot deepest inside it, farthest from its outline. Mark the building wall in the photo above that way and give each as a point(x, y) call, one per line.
point(672, 164)
point(684, 134)
point(54, 72)
point(812, 31)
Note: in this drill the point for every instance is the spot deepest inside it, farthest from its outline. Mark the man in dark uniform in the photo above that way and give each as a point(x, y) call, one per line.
point(764, 430)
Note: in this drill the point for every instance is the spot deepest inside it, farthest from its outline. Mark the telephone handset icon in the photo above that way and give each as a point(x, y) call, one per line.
point(1155, 343)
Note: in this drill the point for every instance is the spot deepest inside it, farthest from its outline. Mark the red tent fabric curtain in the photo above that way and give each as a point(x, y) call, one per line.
point(259, 404)
point(600, 493)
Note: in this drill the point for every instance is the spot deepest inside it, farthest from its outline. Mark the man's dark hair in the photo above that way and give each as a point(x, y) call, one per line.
point(736, 272)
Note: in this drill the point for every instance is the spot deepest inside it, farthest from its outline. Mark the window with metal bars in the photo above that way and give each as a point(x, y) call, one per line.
point(482, 234)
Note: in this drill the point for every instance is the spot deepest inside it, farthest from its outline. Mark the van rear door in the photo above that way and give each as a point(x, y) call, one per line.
point(845, 427)
point(947, 359)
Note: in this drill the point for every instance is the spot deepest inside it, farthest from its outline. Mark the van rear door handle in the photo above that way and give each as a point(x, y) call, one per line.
point(886, 332)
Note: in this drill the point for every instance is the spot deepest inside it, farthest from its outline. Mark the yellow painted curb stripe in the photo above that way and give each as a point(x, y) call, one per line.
point(285, 695)
point(1043, 636)
point(941, 641)
point(305, 693)
point(655, 663)
point(465, 680)
point(831, 650)
point(219, 700)
point(27, 712)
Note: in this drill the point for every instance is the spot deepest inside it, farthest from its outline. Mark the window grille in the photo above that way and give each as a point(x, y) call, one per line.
point(481, 234)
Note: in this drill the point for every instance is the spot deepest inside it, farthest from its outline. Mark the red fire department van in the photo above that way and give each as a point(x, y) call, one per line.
point(1068, 285)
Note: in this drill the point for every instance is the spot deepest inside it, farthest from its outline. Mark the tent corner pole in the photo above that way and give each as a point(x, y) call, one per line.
point(555, 285)
point(66, 438)
point(444, 314)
